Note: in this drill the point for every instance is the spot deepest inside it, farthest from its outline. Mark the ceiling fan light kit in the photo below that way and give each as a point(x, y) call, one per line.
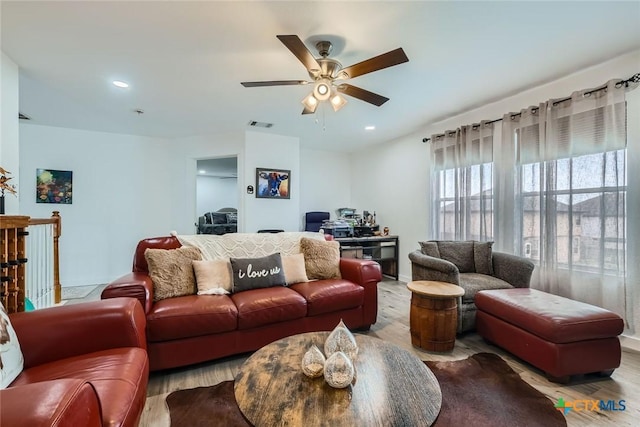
point(310, 104)
point(337, 102)
point(325, 71)
point(322, 90)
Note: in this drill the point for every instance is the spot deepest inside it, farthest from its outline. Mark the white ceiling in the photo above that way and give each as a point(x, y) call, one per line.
point(185, 61)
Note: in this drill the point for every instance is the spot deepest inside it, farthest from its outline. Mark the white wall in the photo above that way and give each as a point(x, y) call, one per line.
point(121, 194)
point(399, 188)
point(9, 129)
point(392, 181)
point(213, 193)
point(325, 182)
point(278, 152)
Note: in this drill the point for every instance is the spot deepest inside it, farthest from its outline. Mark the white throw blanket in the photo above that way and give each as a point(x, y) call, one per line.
point(247, 245)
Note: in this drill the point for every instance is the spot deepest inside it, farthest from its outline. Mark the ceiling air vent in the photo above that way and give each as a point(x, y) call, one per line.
point(260, 124)
point(23, 117)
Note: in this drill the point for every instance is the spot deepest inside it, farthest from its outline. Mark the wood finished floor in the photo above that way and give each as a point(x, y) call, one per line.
point(393, 326)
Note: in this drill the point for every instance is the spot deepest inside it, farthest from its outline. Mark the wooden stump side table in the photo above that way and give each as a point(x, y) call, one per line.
point(433, 318)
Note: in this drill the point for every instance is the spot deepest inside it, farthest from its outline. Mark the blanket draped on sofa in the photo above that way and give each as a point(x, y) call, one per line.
point(246, 245)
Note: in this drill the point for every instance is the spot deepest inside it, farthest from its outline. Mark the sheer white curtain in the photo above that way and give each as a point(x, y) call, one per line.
point(462, 180)
point(570, 211)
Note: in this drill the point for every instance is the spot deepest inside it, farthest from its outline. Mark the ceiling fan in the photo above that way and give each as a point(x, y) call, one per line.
point(327, 74)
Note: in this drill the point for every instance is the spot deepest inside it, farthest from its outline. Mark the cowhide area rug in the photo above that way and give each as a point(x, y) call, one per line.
point(481, 390)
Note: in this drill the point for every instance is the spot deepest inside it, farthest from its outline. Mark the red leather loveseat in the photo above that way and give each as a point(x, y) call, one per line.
point(84, 365)
point(194, 328)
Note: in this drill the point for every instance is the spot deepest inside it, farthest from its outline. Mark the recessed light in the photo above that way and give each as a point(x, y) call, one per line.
point(202, 171)
point(369, 128)
point(118, 83)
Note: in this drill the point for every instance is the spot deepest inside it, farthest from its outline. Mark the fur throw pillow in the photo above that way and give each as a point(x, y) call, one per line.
point(321, 258)
point(171, 271)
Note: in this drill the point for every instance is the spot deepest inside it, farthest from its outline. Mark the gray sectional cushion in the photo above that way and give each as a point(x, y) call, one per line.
point(459, 253)
point(482, 257)
point(472, 283)
point(430, 248)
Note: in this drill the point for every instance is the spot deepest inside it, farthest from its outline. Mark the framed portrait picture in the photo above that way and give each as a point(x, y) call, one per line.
point(54, 186)
point(273, 183)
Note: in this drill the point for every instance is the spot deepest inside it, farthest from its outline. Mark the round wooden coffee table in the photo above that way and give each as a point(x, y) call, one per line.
point(433, 318)
point(393, 387)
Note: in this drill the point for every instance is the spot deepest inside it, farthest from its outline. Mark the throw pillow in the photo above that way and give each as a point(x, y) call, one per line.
point(459, 253)
point(321, 258)
point(482, 257)
point(171, 271)
point(430, 248)
point(254, 273)
point(294, 269)
point(11, 359)
point(213, 277)
point(219, 218)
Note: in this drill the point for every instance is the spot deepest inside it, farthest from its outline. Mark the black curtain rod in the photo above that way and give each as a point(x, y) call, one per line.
point(633, 79)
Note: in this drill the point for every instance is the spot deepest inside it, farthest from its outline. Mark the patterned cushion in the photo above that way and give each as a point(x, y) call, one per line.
point(459, 253)
point(11, 360)
point(482, 257)
point(472, 283)
point(430, 248)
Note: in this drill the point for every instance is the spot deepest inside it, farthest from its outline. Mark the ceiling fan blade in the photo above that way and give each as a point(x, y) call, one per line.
point(274, 83)
point(295, 45)
point(364, 95)
point(376, 63)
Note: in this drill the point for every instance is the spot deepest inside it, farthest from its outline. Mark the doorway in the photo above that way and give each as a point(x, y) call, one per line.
point(217, 195)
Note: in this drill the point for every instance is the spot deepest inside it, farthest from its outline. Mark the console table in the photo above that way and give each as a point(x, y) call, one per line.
point(383, 249)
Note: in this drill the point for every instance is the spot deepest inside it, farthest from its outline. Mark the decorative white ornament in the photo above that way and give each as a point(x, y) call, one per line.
point(338, 370)
point(313, 362)
point(341, 339)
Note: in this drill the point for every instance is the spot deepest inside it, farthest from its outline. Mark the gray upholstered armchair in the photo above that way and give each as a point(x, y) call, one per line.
point(471, 265)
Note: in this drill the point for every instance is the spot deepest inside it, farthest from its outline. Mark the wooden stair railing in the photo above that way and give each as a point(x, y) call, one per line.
point(56, 220)
point(13, 258)
point(12, 261)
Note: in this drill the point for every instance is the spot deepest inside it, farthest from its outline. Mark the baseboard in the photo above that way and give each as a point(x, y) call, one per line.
point(630, 343)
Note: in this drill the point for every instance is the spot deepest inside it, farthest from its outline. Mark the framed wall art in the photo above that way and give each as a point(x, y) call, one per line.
point(273, 183)
point(54, 186)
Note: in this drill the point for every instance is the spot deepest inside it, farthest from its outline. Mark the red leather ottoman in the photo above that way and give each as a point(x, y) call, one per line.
point(562, 337)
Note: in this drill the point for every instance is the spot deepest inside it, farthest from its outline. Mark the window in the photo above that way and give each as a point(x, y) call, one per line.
point(464, 203)
point(588, 191)
point(558, 192)
point(462, 207)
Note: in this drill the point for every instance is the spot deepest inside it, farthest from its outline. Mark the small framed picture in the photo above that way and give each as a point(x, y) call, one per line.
point(273, 183)
point(54, 186)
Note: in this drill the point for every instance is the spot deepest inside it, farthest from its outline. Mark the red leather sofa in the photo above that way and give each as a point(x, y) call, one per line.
point(192, 329)
point(84, 365)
